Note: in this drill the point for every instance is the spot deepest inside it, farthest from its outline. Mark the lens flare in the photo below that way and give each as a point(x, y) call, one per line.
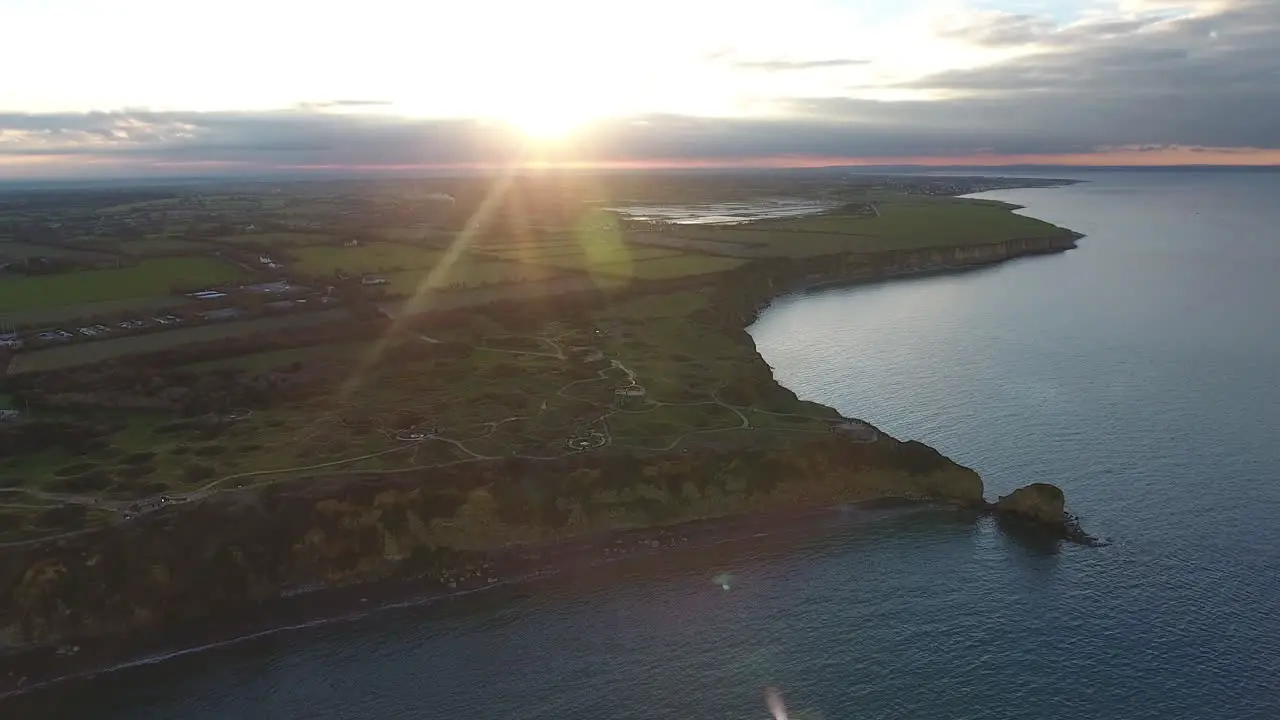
point(773, 699)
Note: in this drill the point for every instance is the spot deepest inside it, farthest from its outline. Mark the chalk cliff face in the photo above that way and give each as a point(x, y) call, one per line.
point(232, 550)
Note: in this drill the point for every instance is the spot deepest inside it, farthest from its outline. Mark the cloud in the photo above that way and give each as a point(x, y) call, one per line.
point(997, 29)
point(343, 104)
point(785, 65)
point(1195, 82)
point(1201, 79)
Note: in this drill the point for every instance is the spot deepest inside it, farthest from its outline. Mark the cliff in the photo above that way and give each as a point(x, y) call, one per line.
point(235, 549)
point(921, 261)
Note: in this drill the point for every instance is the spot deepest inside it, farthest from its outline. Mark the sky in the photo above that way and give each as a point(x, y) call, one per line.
point(99, 88)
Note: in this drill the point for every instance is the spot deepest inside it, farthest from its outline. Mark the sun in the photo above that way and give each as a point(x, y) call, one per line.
point(546, 123)
point(548, 114)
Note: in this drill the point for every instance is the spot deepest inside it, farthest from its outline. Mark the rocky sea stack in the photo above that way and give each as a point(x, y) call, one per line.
point(1042, 507)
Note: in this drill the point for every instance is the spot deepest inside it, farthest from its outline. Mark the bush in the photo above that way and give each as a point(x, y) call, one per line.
point(177, 426)
point(133, 472)
point(74, 469)
point(155, 487)
point(138, 458)
point(90, 481)
point(64, 517)
point(198, 472)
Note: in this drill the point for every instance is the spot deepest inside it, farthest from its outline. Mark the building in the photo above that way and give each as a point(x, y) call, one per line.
point(632, 396)
point(10, 415)
point(374, 280)
point(270, 288)
point(223, 314)
point(855, 431)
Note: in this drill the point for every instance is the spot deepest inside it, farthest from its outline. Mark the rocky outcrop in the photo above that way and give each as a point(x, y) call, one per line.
point(1040, 507)
point(1039, 502)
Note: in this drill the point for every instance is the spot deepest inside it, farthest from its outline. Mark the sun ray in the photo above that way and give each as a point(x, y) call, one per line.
point(431, 281)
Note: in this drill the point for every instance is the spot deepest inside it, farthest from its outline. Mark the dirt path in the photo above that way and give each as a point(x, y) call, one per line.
point(555, 350)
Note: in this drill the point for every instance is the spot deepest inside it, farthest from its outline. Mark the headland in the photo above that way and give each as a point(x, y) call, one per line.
point(406, 426)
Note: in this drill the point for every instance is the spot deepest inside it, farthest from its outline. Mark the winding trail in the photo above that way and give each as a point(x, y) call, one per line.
point(600, 424)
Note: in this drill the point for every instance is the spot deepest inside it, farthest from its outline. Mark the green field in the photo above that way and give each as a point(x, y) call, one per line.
point(904, 223)
point(164, 246)
point(145, 206)
point(280, 239)
point(575, 257)
point(270, 360)
point(19, 251)
point(373, 257)
point(66, 313)
point(408, 234)
point(147, 278)
point(648, 307)
point(664, 268)
point(532, 290)
point(467, 272)
point(87, 353)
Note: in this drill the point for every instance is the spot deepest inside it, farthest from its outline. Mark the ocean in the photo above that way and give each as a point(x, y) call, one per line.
point(1139, 372)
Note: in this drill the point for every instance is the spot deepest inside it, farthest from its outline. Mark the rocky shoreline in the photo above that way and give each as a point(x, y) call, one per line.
point(266, 556)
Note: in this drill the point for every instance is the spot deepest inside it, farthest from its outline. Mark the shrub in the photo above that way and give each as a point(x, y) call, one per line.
point(138, 458)
point(74, 469)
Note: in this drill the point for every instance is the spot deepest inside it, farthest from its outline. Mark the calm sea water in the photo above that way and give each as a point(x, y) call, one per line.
point(1140, 372)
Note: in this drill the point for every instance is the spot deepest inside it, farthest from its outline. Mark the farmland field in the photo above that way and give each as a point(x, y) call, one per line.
point(663, 268)
point(574, 257)
point(90, 352)
point(164, 246)
point(472, 297)
point(903, 222)
point(280, 239)
point(374, 257)
point(11, 250)
point(264, 361)
point(471, 273)
point(64, 313)
point(744, 248)
point(938, 221)
point(144, 206)
point(409, 233)
point(150, 277)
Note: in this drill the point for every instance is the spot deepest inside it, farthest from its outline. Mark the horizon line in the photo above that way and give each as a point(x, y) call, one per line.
point(335, 172)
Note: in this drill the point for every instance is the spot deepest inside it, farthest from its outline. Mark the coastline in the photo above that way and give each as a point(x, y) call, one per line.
point(515, 565)
point(578, 561)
